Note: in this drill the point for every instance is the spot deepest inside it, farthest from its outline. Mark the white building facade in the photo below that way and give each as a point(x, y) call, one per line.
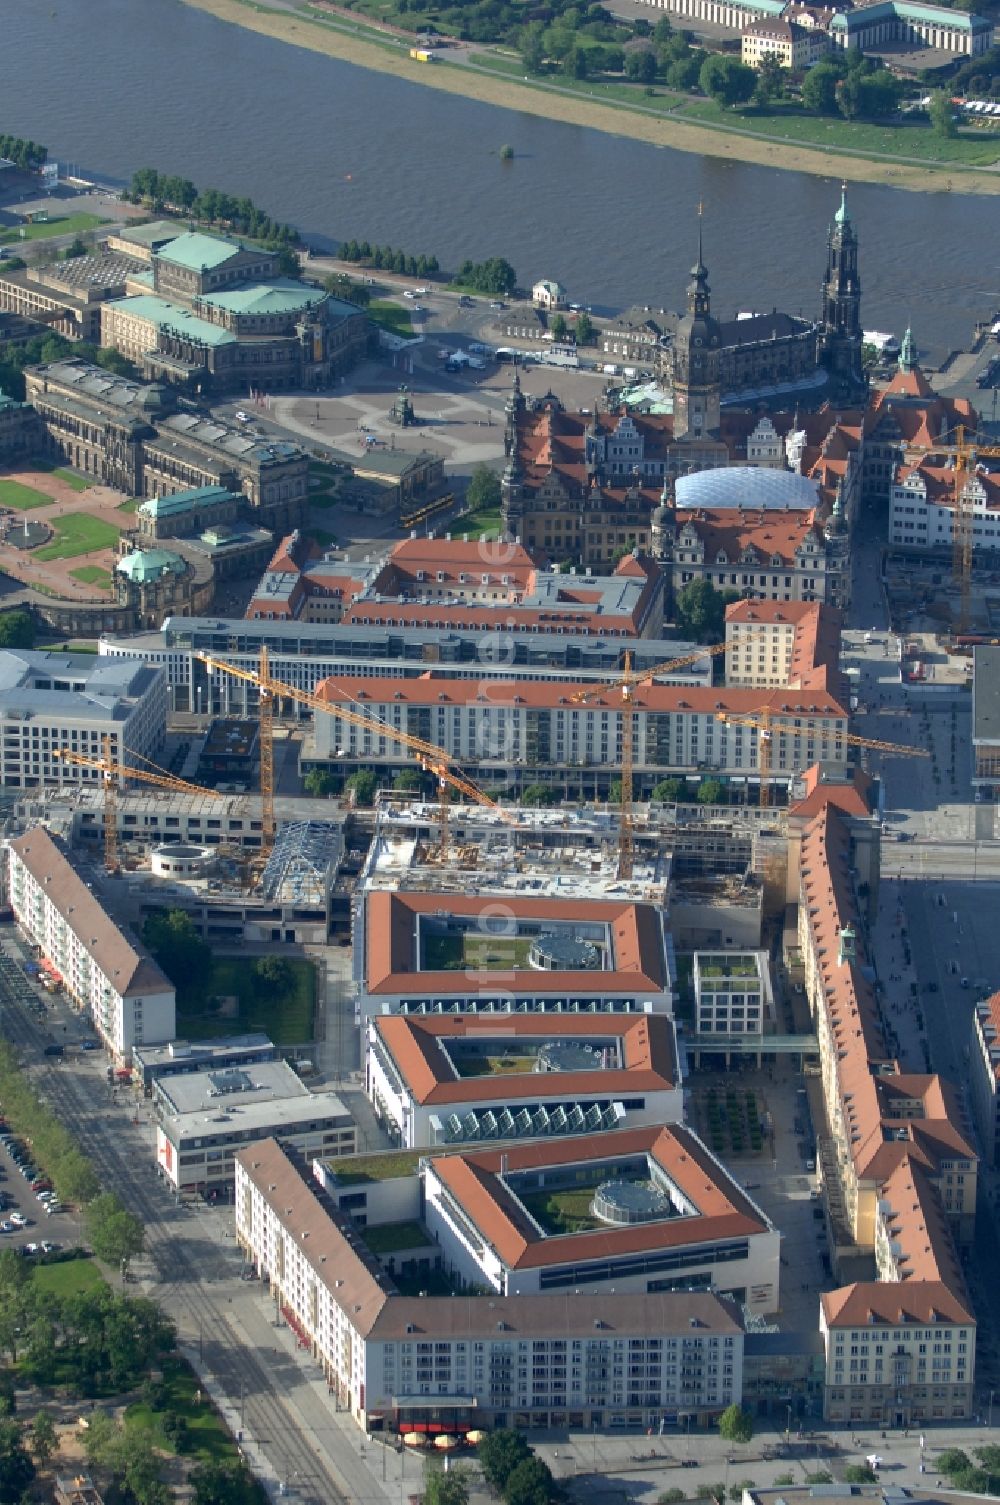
point(53, 702)
point(107, 975)
point(399, 1364)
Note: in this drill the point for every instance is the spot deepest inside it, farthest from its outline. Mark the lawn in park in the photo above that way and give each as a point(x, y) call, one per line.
point(56, 224)
point(92, 574)
point(71, 479)
point(78, 533)
point(15, 494)
point(67, 1278)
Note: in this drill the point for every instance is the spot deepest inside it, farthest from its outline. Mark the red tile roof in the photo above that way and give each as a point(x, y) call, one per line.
point(415, 1044)
point(476, 1180)
point(894, 1303)
point(392, 967)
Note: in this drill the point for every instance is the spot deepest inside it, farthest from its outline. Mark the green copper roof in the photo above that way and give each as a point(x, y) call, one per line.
point(907, 353)
point(197, 252)
point(173, 316)
point(280, 297)
point(146, 565)
point(183, 501)
point(842, 217)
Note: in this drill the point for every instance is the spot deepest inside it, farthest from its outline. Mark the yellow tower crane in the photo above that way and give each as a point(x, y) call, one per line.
point(767, 724)
point(624, 685)
point(431, 758)
point(113, 771)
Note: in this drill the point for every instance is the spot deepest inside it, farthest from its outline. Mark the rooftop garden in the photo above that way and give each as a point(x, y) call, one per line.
point(392, 1238)
point(506, 1063)
point(716, 966)
point(356, 1169)
point(471, 950)
point(566, 1211)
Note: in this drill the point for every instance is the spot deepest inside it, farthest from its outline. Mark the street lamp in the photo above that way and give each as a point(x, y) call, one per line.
point(788, 1422)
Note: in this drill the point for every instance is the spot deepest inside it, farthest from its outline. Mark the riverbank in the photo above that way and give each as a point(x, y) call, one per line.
point(702, 140)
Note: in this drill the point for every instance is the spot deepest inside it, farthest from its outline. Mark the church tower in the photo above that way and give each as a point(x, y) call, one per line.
point(907, 352)
point(697, 388)
point(840, 326)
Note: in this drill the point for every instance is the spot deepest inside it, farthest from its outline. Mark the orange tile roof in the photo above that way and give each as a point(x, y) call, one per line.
point(894, 1303)
point(916, 1223)
point(415, 1044)
point(939, 480)
point(391, 964)
point(851, 798)
point(475, 1179)
point(432, 689)
point(732, 531)
point(992, 1007)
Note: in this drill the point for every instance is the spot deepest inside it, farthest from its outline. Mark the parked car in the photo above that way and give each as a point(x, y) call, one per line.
point(89, 1045)
point(51, 1207)
point(18, 1219)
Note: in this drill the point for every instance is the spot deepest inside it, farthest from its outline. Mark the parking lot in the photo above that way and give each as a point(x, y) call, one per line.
point(25, 1224)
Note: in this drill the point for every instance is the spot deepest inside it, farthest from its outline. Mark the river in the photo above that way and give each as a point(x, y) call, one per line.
point(112, 85)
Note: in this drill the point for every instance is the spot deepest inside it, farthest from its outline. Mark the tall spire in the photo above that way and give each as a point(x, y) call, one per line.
point(701, 214)
point(842, 216)
point(907, 352)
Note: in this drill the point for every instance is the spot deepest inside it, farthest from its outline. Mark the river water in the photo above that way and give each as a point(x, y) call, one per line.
point(112, 85)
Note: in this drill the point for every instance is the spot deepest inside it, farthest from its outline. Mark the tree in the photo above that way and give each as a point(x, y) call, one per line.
point(499, 1454)
point(869, 96)
point(640, 66)
point(671, 1497)
point(952, 1461)
point(451, 1488)
point(942, 114)
point(17, 629)
point(272, 972)
point(736, 1490)
point(538, 794)
point(557, 327)
point(683, 72)
point(770, 79)
point(819, 89)
point(495, 277)
point(530, 1483)
point(860, 1473)
point(710, 793)
point(76, 247)
point(222, 1484)
point(727, 81)
point(319, 783)
point(585, 331)
point(668, 790)
point(116, 1236)
point(532, 47)
point(701, 610)
point(735, 1424)
point(363, 785)
point(113, 361)
point(16, 1468)
point(44, 1437)
point(482, 494)
point(74, 1178)
point(177, 946)
point(409, 781)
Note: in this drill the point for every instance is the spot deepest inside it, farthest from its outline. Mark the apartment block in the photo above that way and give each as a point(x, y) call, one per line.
point(984, 1076)
point(451, 1364)
point(106, 973)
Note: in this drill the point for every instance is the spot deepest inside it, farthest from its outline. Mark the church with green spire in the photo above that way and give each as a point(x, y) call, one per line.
point(840, 334)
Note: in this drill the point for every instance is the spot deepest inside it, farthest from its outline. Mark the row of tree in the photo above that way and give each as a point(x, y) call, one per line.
point(387, 258)
point(115, 1235)
point(509, 1466)
point(208, 205)
point(24, 154)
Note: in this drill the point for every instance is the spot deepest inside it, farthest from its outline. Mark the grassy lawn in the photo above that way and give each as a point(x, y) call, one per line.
point(287, 1017)
point(390, 1238)
point(128, 506)
point(609, 91)
point(23, 498)
point(391, 316)
point(78, 533)
point(92, 574)
point(562, 1211)
point(480, 1065)
point(65, 224)
point(70, 478)
point(453, 953)
point(477, 523)
point(68, 1278)
point(207, 1440)
point(355, 1170)
point(914, 138)
point(75, 645)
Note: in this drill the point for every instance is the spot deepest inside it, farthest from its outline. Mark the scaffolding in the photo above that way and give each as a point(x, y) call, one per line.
point(302, 863)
